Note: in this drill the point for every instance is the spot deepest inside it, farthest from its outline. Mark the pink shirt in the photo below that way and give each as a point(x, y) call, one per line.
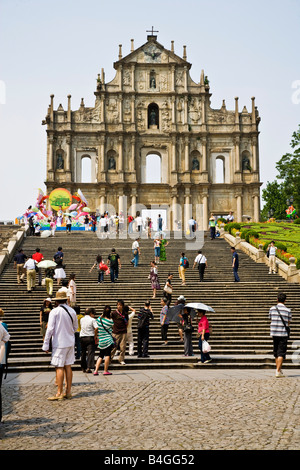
point(203, 325)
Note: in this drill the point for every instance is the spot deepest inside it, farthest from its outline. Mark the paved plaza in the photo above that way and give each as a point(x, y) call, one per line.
point(154, 410)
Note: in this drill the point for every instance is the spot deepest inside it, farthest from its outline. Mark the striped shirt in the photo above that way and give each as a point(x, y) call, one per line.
point(105, 338)
point(277, 328)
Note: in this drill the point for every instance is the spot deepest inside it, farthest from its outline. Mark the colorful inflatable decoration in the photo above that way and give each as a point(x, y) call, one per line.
point(60, 199)
point(40, 204)
point(290, 211)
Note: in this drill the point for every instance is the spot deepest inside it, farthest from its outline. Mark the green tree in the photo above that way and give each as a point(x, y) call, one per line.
point(289, 171)
point(275, 200)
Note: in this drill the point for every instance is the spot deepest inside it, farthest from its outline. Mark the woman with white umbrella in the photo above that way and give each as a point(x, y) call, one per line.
point(203, 332)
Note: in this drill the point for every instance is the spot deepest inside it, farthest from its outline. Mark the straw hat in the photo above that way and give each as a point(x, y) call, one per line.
point(60, 295)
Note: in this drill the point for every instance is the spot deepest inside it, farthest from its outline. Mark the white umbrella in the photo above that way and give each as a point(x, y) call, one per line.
point(200, 306)
point(46, 264)
point(45, 233)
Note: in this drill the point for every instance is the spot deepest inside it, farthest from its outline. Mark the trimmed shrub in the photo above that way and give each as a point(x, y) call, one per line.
point(231, 225)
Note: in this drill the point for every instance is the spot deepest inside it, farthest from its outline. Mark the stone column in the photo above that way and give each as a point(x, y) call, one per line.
point(120, 159)
point(102, 108)
point(133, 109)
point(68, 157)
point(186, 155)
point(205, 212)
point(254, 154)
point(173, 154)
point(237, 154)
point(256, 211)
point(132, 160)
point(102, 202)
point(204, 156)
point(174, 212)
point(133, 203)
point(173, 78)
point(132, 77)
point(50, 173)
point(101, 165)
point(187, 208)
point(239, 208)
point(185, 110)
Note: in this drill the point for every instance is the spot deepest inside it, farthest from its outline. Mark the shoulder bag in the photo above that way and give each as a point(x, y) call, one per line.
point(115, 343)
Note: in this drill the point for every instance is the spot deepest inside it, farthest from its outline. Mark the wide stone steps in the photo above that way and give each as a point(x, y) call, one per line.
point(240, 323)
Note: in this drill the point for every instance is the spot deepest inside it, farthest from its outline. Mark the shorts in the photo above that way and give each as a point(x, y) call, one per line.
point(280, 346)
point(63, 357)
point(106, 351)
point(157, 251)
point(180, 326)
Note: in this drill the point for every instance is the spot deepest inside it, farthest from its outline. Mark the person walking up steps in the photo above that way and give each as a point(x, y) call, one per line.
point(120, 318)
point(201, 263)
point(105, 340)
point(280, 317)
point(235, 264)
point(61, 328)
point(144, 317)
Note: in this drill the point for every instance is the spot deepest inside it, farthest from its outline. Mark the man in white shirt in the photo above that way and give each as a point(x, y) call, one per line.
point(61, 328)
point(136, 253)
point(272, 257)
point(30, 270)
point(88, 335)
point(230, 217)
point(139, 223)
point(201, 262)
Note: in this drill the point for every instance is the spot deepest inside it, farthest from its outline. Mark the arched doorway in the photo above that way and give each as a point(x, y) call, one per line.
point(220, 170)
point(86, 169)
point(153, 168)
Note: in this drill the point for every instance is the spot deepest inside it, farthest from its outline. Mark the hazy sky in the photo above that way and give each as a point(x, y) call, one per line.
point(60, 46)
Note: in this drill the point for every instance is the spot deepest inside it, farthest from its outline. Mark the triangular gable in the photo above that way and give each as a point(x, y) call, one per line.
point(151, 52)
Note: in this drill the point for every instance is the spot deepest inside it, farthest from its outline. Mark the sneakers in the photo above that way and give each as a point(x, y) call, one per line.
point(123, 363)
point(279, 374)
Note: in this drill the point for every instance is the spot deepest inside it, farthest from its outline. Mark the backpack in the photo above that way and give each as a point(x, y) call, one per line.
point(186, 263)
point(142, 319)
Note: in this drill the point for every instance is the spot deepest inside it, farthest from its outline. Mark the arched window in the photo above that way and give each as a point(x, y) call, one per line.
point(153, 168)
point(86, 169)
point(153, 115)
point(220, 170)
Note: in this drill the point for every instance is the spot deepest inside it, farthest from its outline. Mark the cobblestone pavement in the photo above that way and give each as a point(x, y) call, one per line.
point(154, 410)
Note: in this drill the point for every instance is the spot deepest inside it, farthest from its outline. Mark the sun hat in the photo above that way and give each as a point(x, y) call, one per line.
point(61, 296)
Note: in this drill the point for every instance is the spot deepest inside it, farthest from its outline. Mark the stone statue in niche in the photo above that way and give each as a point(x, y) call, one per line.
point(111, 163)
point(60, 162)
point(195, 164)
point(246, 164)
point(152, 118)
point(152, 81)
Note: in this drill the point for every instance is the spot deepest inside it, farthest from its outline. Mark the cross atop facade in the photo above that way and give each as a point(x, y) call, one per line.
point(152, 31)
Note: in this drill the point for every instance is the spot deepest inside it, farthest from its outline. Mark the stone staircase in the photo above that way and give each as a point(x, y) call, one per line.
point(240, 326)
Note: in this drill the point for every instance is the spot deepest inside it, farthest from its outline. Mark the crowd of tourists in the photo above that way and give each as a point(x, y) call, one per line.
point(70, 334)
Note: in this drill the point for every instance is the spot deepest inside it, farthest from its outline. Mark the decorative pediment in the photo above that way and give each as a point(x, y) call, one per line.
point(152, 52)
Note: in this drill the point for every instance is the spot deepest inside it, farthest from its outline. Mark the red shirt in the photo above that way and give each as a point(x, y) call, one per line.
point(38, 257)
point(203, 325)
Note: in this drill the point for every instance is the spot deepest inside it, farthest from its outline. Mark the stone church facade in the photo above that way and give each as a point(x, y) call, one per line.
point(152, 106)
